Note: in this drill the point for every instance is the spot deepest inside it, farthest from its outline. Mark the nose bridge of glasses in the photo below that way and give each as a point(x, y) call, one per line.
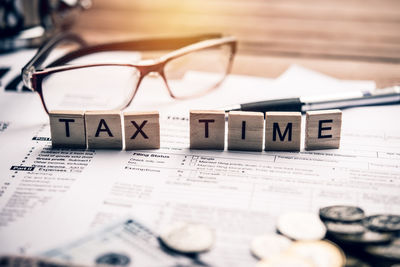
point(150, 66)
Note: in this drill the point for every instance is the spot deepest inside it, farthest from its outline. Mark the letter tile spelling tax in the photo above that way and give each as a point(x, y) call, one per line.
point(245, 130)
point(323, 129)
point(142, 130)
point(282, 131)
point(103, 129)
point(207, 129)
point(67, 129)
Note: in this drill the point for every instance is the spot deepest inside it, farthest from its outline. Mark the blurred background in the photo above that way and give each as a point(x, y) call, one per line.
point(348, 39)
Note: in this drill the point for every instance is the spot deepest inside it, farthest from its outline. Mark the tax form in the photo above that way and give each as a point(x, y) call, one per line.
point(239, 194)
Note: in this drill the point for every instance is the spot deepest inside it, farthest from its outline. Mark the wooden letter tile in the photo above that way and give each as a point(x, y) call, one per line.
point(142, 130)
point(245, 130)
point(103, 129)
point(282, 131)
point(67, 128)
point(207, 129)
point(323, 129)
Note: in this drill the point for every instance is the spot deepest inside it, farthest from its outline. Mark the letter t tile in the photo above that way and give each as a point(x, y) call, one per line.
point(207, 129)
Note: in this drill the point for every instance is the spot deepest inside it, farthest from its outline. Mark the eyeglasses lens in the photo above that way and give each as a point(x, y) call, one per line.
point(90, 88)
point(185, 74)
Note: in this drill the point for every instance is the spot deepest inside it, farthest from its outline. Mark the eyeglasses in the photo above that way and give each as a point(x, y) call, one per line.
point(63, 85)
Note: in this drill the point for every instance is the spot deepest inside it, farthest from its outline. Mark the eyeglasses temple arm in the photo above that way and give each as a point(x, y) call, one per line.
point(44, 51)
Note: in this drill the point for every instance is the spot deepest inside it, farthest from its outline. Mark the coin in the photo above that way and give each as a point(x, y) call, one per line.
point(368, 237)
point(188, 237)
point(383, 223)
point(344, 228)
point(320, 253)
point(268, 245)
point(301, 226)
point(389, 251)
point(342, 213)
point(285, 260)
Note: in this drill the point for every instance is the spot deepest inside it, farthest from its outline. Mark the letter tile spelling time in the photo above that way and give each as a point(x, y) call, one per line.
point(282, 131)
point(323, 129)
point(207, 129)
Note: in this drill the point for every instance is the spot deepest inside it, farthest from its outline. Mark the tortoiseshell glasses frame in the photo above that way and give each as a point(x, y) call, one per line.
point(33, 74)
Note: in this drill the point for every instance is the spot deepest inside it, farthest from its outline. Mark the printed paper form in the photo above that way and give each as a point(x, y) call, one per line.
point(219, 188)
point(239, 194)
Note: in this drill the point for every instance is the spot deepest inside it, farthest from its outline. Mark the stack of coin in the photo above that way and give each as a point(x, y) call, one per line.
point(351, 239)
point(374, 238)
point(306, 239)
point(299, 243)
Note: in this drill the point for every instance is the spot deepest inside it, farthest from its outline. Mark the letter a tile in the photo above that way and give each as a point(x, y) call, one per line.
point(282, 131)
point(67, 129)
point(142, 130)
point(207, 129)
point(103, 129)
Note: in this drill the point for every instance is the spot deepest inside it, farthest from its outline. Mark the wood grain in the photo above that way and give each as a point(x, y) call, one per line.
point(282, 131)
point(67, 129)
point(207, 129)
point(323, 129)
point(103, 129)
point(356, 39)
point(142, 130)
point(245, 130)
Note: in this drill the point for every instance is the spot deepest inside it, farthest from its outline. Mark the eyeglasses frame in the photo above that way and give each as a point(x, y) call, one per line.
point(33, 76)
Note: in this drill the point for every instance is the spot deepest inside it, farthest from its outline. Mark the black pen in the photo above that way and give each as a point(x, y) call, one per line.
point(390, 95)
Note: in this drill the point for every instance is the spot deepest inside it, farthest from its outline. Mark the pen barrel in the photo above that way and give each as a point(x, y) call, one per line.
point(288, 104)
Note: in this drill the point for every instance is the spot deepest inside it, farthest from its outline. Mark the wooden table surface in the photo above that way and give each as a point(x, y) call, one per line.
point(347, 39)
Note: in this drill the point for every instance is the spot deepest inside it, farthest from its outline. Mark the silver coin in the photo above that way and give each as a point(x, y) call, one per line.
point(301, 226)
point(320, 253)
point(268, 245)
point(342, 213)
point(389, 251)
point(188, 237)
point(368, 237)
point(345, 228)
point(383, 223)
